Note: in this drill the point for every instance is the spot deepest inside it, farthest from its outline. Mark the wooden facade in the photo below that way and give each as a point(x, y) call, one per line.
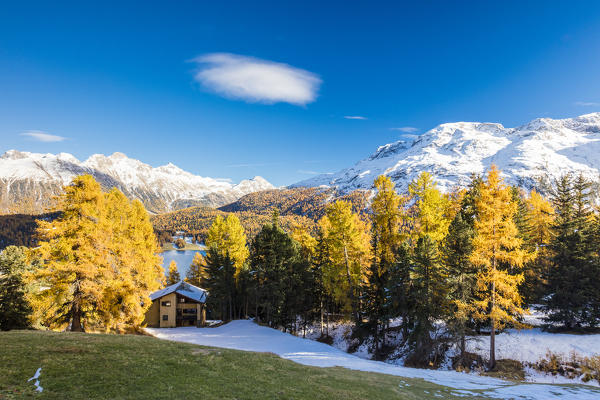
point(181, 304)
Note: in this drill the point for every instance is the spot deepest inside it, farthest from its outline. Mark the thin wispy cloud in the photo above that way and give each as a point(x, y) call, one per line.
point(587, 104)
point(405, 129)
point(309, 172)
point(313, 161)
point(249, 165)
point(411, 137)
point(359, 117)
point(255, 80)
point(43, 136)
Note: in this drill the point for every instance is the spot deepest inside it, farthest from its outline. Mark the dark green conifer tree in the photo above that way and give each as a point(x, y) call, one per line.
point(399, 288)
point(275, 263)
point(429, 292)
point(220, 283)
point(14, 308)
point(571, 276)
point(462, 274)
point(375, 300)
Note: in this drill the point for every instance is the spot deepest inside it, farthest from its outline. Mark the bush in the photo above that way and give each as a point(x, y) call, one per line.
point(586, 368)
point(180, 243)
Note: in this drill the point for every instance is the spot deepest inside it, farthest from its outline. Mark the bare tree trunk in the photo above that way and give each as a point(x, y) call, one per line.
point(256, 307)
point(321, 317)
point(328, 321)
point(304, 327)
point(493, 331)
point(76, 310)
point(350, 288)
point(76, 318)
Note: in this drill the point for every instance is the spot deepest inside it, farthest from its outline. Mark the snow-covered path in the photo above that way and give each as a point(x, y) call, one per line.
point(246, 335)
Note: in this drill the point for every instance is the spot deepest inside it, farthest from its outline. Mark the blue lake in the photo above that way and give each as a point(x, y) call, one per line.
point(183, 258)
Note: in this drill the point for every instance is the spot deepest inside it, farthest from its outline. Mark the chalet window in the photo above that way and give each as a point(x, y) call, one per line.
point(165, 303)
point(165, 317)
point(182, 299)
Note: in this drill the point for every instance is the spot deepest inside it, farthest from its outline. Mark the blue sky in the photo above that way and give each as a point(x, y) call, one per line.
point(237, 89)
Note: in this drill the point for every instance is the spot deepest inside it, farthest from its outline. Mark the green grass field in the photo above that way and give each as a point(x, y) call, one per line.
point(97, 366)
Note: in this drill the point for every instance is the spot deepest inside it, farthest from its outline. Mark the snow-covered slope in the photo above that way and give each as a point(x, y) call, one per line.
point(28, 180)
point(246, 335)
point(543, 148)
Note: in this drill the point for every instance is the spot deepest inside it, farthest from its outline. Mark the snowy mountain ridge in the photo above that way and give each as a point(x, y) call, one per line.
point(543, 148)
point(35, 177)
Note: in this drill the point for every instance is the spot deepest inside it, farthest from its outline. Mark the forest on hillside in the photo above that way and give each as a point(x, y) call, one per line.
point(296, 207)
point(446, 265)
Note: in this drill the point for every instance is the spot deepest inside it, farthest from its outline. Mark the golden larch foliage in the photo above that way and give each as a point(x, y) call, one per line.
point(99, 261)
point(498, 252)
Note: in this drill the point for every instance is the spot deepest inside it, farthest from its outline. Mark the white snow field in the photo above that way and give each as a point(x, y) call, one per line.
point(531, 345)
point(246, 335)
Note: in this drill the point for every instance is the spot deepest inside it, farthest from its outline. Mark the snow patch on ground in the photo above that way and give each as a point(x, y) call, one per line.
point(36, 380)
point(246, 335)
point(531, 345)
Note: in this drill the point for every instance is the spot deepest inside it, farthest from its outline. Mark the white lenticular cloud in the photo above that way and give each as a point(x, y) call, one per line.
point(43, 136)
point(255, 80)
point(360, 117)
point(406, 129)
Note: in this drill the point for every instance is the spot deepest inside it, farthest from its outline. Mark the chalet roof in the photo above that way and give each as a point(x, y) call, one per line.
point(184, 289)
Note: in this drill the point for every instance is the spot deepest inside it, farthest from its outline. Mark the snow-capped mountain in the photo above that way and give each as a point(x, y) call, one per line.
point(544, 148)
point(29, 180)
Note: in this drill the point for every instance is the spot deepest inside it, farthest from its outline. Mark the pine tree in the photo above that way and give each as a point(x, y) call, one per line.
point(429, 294)
point(278, 269)
point(319, 264)
point(347, 239)
point(462, 274)
point(221, 283)
point(386, 220)
point(14, 307)
point(497, 251)
point(399, 288)
point(594, 289)
point(376, 303)
point(173, 275)
point(571, 276)
point(197, 273)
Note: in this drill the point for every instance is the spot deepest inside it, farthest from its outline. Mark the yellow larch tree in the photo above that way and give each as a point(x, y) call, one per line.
point(173, 275)
point(98, 261)
point(387, 218)
point(229, 237)
point(539, 221)
point(497, 251)
point(307, 242)
point(73, 253)
point(134, 266)
point(348, 245)
point(198, 272)
point(431, 209)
